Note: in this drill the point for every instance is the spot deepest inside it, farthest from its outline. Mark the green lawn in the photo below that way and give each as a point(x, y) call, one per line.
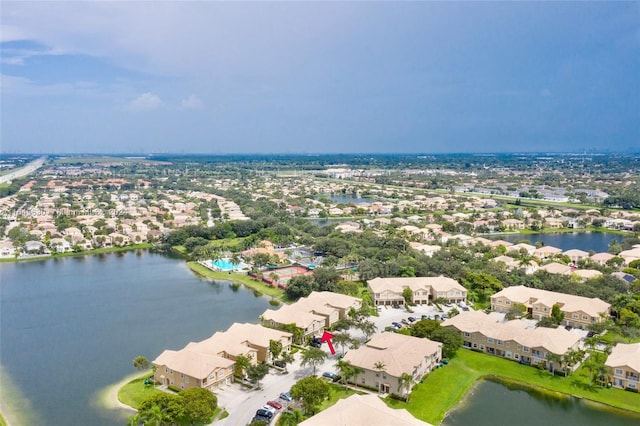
point(337, 392)
point(241, 278)
point(611, 337)
point(444, 387)
point(134, 392)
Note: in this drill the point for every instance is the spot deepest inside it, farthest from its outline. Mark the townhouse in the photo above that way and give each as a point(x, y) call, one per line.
point(624, 366)
point(389, 291)
point(210, 363)
point(579, 311)
point(388, 356)
point(312, 314)
point(512, 339)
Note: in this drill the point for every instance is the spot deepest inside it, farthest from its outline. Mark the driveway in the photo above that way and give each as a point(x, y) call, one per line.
point(241, 403)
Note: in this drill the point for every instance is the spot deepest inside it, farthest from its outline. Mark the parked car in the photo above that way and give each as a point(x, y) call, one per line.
point(411, 319)
point(404, 321)
point(591, 333)
point(264, 413)
point(257, 418)
point(316, 342)
point(268, 408)
point(425, 316)
point(443, 317)
point(329, 375)
point(396, 324)
point(286, 396)
point(274, 404)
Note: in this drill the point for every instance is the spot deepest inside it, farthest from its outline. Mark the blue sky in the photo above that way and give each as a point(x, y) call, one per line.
point(315, 77)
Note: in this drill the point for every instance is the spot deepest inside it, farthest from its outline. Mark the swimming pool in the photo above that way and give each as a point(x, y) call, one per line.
point(227, 265)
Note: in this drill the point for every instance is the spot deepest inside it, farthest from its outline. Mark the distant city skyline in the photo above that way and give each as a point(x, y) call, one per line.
point(319, 77)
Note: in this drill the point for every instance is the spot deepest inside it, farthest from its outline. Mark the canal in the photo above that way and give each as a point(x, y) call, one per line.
point(596, 241)
point(490, 403)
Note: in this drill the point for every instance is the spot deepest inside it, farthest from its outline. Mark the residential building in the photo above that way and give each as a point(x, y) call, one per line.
point(624, 366)
point(363, 410)
point(529, 267)
point(387, 356)
point(312, 314)
point(187, 369)
point(579, 311)
point(389, 291)
point(512, 339)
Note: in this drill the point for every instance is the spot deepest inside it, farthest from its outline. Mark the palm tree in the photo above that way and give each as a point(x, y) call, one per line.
point(287, 358)
point(404, 383)
point(313, 357)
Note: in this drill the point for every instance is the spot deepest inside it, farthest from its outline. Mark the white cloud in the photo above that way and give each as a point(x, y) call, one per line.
point(192, 102)
point(145, 102)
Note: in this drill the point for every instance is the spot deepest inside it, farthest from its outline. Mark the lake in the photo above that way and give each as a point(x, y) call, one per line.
point(596, 241)
point(72, 326)
point(493, 404)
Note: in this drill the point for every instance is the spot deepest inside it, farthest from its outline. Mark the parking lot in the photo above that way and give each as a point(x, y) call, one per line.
point(389, 314)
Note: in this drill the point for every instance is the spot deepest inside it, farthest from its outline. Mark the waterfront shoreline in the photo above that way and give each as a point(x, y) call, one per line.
point(143, 246)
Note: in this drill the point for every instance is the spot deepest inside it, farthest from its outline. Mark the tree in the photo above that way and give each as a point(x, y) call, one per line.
point(347, 371)
point(275, 348)
point(557, 314)
point(368, 328)
point(242, 362)
point(451, 341)
point(404, 383)
point(161, 409)
point(311, 391)
point(313, 357)
point(286, 358)
point(199, 405)
point(140, 363)
point(380, 366)
point(344, 339)
point(407, 294)
point(256, 372)
point(517, 310)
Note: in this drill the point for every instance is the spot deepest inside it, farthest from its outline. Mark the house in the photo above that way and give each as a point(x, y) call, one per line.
point(187, 369)
point(390, 291)
point(586, 274)
point(522, 246)
point(388, 356)
point(576, 255)
point(313, 313)
point(602, 258)
point(529, 267)
point(428, 250)
point(579, 311)
point(557, 268)
point(363, 410)
point(546, 252)
point(513, 339)
point(624, 366)
point(7, 248)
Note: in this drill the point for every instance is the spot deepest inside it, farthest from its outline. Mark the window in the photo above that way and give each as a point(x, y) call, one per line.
point(619, 371)
point(489, 340)
point(526, 349)
point(546, 309)
point(482, 347)
point(575, 316)
point(508, 344)
point(516, 356)
point(508, 302)
point(377, 374)
point(363, 380)
point(631, 385)
point(500, 342)
point(186, 379)
point(466, 334)
point(213, 376)
point(181, 376)
point(585, 317)
point(166, 370)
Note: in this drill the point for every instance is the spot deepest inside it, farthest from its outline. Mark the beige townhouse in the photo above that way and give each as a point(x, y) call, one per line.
point(389, 291)
point(578, 311)
point(512, 339)
point(387, 356)
point(624, 366)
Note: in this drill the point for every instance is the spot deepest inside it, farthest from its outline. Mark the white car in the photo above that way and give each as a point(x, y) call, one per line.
point(269, 408)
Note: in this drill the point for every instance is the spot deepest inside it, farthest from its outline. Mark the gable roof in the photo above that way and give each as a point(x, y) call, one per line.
point(396, 285)
point(363, 410)
point(399, 353)
point(625, 355)
point(570, 303)
point(192, 363)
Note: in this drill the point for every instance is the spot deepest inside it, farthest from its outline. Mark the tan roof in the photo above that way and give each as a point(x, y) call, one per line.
point(221, 342)
point(414, 283)
point(363, 410)
point(569, 302)
point(292, 314)
point(556, 340)
point(399, 353)
point(192, 363)
point(587, 273)
point(602, 257)
point(548, 250)
point(576, 252)
point(556, 268)
point(337, 300)
point(625, 355)
point(502, 243)
point(256, 334)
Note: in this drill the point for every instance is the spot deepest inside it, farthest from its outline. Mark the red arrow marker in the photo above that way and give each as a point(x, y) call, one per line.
point(326, 337)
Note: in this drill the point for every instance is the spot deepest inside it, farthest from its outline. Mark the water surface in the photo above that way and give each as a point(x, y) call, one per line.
point(71, 326)
point(596, 241)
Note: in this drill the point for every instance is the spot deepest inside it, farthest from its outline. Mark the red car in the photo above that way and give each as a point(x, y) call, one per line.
point(274, 404)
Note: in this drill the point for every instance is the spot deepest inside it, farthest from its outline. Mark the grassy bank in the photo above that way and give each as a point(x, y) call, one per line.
point(81, 253)
point(239, 278)
point(444, 388)
point(134, 392)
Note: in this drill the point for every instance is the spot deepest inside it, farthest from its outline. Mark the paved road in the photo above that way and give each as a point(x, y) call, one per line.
point(23, 171)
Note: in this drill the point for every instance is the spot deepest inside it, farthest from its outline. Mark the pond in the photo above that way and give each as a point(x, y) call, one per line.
point(596, 241)
point(490, 403)
point(72, 326)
